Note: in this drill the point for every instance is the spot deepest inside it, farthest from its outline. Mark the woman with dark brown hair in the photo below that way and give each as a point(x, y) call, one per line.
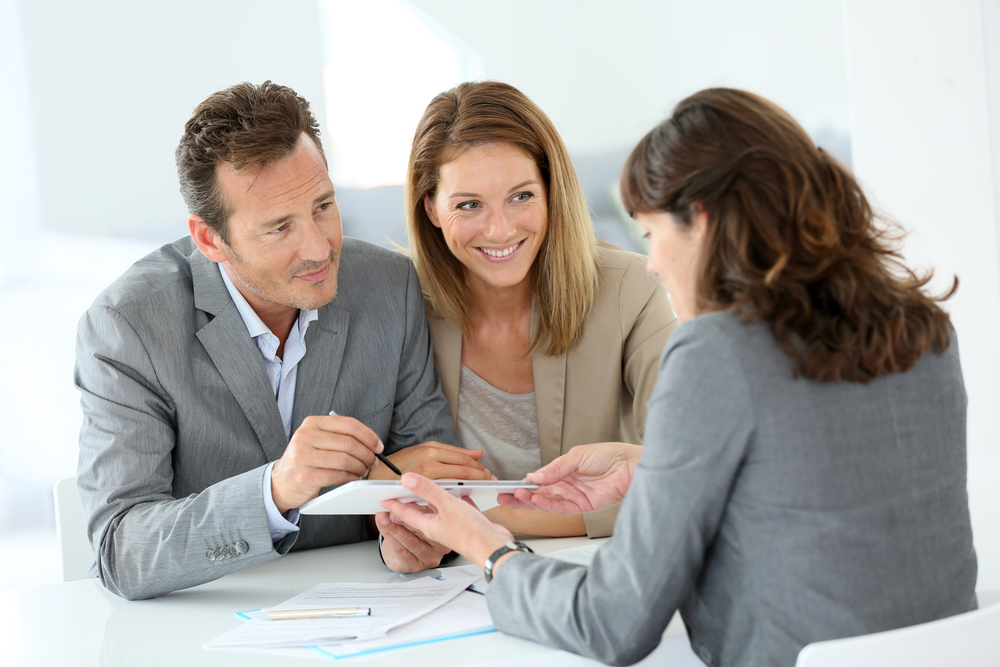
point(803, 475)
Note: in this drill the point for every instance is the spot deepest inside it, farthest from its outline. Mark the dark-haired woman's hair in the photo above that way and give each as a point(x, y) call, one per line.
point(790, 237)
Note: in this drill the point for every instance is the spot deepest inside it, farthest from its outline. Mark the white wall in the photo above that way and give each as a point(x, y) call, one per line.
point(607, 72)
point(112, 83)
point(20, 205)
point(925, 132)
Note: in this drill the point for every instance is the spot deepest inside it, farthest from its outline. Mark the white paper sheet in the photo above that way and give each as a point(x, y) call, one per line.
point(578, 555)
point(392, 605)
point(478, 585)
point(464, 615)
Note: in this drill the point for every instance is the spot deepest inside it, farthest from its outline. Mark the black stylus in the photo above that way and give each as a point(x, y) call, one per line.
point(381, 457)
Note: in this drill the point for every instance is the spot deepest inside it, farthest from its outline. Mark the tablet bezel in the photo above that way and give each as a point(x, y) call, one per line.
point(365, 496)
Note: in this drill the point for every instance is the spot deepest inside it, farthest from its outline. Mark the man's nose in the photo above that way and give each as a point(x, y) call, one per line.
point(315, 245)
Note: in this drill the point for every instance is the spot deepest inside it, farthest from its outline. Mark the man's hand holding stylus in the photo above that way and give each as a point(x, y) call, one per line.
point(324, 451)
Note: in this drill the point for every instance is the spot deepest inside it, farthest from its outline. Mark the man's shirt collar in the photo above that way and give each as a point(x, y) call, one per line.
point(254, 324)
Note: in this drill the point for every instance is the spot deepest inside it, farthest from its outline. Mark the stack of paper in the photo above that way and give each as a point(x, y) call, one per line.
point(402, 614)
point(478, 584)
point(463, 616)
point(392, 605)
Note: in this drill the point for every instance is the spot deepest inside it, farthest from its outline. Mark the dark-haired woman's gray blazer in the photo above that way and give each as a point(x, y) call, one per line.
point(773, 512)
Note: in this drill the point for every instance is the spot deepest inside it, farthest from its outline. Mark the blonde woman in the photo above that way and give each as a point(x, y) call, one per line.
point(544, 338)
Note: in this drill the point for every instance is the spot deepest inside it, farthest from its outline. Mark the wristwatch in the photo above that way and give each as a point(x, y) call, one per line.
point(492, 560)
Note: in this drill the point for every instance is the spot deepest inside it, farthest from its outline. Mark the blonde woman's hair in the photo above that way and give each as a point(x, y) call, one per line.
point(564, 276)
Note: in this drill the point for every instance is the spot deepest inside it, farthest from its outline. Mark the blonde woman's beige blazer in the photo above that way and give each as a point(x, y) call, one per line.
point(597, 392)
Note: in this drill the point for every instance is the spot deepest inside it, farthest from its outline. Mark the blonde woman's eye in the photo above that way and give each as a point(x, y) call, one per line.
point(469, 206)
point(523, 196)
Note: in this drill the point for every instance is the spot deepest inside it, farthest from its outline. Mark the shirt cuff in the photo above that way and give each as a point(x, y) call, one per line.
point(278, 524)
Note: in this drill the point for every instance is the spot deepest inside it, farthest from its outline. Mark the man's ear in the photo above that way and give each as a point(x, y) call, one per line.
point(208, 241)
point(431, 213)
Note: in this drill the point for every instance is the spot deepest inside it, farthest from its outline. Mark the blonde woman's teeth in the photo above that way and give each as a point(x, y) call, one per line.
point(501, 253)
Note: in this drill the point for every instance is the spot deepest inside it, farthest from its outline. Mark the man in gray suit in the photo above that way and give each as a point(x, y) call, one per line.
point(210, 369)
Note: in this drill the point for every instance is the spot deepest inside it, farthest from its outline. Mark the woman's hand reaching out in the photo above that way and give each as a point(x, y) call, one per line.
point(586, 479)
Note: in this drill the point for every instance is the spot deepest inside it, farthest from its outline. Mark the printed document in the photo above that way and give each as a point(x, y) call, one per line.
point(465, 615)
point(391, 605)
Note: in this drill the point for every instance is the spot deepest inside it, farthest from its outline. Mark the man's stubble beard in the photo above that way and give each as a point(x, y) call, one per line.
point(236, 263)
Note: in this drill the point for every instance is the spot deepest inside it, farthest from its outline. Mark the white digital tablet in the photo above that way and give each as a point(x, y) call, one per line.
point(366, 496)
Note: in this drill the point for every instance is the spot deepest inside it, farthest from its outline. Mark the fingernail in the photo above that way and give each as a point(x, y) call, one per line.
point(380, 448)
point(408, 481)
point(383, 519)
point(495, 478)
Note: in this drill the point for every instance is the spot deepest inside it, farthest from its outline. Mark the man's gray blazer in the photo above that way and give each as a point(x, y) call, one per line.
point(180, 418)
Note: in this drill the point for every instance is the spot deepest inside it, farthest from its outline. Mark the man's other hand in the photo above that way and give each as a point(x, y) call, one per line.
point(405, 551)
point(436, 460)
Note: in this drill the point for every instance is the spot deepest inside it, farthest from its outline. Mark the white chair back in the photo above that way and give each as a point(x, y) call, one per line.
point(970, 640)
point(71, 527)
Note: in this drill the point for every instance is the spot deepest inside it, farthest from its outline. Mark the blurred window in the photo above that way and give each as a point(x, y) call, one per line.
point(384, 60)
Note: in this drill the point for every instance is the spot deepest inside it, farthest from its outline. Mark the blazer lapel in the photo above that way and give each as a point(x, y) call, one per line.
point(316, 379)
point(550, 392)
point(235, 356)
point(549, 374)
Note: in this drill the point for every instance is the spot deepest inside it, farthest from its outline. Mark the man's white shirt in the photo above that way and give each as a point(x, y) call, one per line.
point(282, 372)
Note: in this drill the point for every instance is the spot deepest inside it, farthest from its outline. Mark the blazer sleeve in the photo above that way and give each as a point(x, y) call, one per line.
point(146, 541)
point(700, 428)
point(649, 319)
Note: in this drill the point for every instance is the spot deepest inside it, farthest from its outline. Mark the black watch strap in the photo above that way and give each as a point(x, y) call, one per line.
point(508, 547)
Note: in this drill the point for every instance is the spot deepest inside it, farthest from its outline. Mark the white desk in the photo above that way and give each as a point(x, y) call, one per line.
point(80, 623)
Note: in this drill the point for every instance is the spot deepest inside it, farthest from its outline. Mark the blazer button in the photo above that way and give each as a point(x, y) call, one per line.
point(210, 555)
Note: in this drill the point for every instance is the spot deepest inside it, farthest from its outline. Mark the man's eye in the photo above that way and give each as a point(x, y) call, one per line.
point(323, 207)
point(279, 229)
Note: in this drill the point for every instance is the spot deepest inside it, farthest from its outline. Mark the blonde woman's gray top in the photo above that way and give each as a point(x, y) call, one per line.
point(773, 512)
point(502, 424)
